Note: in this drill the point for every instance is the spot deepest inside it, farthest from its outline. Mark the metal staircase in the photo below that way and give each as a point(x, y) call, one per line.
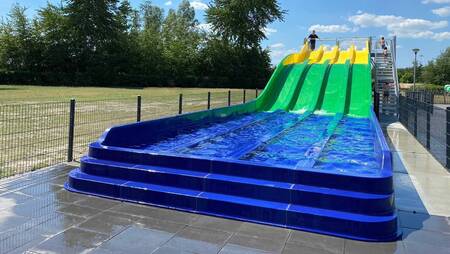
point(386, 77)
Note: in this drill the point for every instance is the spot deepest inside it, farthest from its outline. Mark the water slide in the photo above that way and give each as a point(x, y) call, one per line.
point(329, 81)
point(307, 154)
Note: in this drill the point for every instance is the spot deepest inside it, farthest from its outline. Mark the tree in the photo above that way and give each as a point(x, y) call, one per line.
point(51, 25)
point(181, 40)
point(438, 71)
point(243, 22)
point(18, 42)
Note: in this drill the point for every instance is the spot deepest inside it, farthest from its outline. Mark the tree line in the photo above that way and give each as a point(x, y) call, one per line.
point(436, 72)
point(108, 42)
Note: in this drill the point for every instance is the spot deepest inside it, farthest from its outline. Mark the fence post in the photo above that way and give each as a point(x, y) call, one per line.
point(429, 105)
point(180, 104)
point(447, 147)
point(209, 100)
point(71, 130)
point(229, 98)
point(243, 97)
point(256, 92)
point(415, 118)
point(138, 109)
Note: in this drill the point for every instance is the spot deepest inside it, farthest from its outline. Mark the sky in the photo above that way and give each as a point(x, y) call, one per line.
point(423, 24)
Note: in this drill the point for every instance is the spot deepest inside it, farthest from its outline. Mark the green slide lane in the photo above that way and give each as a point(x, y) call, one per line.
point(291, 87)
point(361, 92)
point(335, 96)
point(309, 93)
point(274, 87)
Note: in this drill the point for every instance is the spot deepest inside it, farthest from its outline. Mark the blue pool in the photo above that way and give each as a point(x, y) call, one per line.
point(329, 174)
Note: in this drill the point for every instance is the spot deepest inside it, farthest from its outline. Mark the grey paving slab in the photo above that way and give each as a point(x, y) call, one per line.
point(81, 211)
point(161, 225)
point(424, 248)
point(424, 221)
point(8, 220)
point(168, 250)
point(98, 203)
point(358, 247)
point(137, 240)
point(216, 223)
point(40, 189)
point(64, 196)
point(12, 199)
point(238, 249)
point(437, 239)
point(322, 242)
point(271, 245)
point(156, 213)
point(198, 240)
point(263, 231)
point(73, 240)
point(292, 248)
point(37, 207)
point(106, 224)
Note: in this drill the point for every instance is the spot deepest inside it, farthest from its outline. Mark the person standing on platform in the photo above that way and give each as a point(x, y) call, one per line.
point(312, 40)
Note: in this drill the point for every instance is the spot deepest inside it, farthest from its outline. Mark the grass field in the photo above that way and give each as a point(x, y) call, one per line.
point(34, 121)
point(33, 94)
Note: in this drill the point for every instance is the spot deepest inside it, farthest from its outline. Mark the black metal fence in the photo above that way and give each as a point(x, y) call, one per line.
point(428, 122)
point(34, 136)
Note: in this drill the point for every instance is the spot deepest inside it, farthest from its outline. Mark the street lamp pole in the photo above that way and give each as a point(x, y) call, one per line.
point(416, 50)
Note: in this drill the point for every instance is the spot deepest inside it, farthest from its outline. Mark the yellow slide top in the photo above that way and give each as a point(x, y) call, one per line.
point(334, 56)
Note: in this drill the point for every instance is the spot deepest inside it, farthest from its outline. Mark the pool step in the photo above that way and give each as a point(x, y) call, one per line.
point(285, 192)
point(376, 184)
point(344, 224)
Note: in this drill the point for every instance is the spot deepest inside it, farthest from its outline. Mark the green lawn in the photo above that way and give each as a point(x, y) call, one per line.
point(17, 94)
point(34, 120)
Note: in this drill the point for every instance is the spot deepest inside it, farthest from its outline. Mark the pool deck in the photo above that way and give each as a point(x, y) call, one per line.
point(38, 216)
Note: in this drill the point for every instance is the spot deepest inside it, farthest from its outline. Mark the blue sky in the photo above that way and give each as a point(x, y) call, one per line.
point(417, 23)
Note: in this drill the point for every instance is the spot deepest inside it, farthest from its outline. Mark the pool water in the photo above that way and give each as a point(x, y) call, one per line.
point(322, 142)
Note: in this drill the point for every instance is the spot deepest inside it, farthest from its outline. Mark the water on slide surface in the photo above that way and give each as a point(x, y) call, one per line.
point(281, 138)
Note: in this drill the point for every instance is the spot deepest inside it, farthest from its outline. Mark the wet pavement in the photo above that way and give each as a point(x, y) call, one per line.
point(38, 216)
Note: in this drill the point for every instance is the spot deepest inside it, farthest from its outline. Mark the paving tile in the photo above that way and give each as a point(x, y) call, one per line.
point(9, 219)
point(137, 240)
point(198, 240)
point(215, 223)
point(59, 180)
point(238, 249)
point(22, 247)
point(424, 221)
point(161, 225)
point(38, 207)
point(436, 239)
point(12, 199)
point(263, 231)
point(98, 203)
point(257, 243)
point(424, 248)
point(106, 224)
point(80, 211)
point(157, 213)
point(73, 240)
point(168, 250)
point(357, 247)
point(64, 196)
point(316, 241)
point(40, 189)
point(292, 248)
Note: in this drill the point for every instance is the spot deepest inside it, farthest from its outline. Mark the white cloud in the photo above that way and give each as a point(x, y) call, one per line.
point(199, 5)
point(436, 1)
point(168, 3)
point(277, 45)
point(268, 31)
point(276, 55)
point(400, 26)
point(330, 28)
point(441, 36)
point(443, 12)
point(205, 27)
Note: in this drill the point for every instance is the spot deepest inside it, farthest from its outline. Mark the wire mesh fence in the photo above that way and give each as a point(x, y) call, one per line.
point(34, 136)
point(428, 122)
